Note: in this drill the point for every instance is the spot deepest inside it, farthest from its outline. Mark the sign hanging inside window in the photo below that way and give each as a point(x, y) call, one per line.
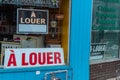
point(32, 21)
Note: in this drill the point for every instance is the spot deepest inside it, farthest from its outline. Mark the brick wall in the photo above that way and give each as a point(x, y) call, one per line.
point(103, 71)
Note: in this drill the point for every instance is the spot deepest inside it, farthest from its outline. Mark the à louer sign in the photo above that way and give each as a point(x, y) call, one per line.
point(33, 57)
point(32, 21)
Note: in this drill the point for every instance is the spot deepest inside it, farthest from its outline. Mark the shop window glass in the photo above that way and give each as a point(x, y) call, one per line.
point(105, 34)
point(57, 35)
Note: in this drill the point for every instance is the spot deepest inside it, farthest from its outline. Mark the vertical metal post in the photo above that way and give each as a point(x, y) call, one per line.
point(80, 38)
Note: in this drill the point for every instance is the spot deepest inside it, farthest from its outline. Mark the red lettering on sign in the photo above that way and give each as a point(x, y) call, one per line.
point(33, 58)
point(57, 57)
point(41, 58)
point(12, 60)
point(49, 58)
point(24, 63)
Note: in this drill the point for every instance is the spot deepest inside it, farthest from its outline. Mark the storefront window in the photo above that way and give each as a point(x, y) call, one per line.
point(105, 30)
point(37, 26)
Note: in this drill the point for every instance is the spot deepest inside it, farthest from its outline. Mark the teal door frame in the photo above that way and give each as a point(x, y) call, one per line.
point(80, 38)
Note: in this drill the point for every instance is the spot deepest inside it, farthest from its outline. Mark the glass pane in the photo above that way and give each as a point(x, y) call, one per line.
point(40, 26)
point(105, 30)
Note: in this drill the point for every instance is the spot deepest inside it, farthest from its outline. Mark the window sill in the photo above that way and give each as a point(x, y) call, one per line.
point(103, 61)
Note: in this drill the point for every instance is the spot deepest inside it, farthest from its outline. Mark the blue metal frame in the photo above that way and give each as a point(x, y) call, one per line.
point(31, 73)
point(80, 38)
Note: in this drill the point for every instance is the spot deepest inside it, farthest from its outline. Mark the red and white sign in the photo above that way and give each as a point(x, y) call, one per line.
point(33, 57)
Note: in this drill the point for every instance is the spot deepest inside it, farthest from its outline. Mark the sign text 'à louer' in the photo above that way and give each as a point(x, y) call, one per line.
point(32, 21)
point(16, 58)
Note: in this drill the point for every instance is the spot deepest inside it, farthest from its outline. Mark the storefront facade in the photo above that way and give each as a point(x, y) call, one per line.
point(54, 25)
